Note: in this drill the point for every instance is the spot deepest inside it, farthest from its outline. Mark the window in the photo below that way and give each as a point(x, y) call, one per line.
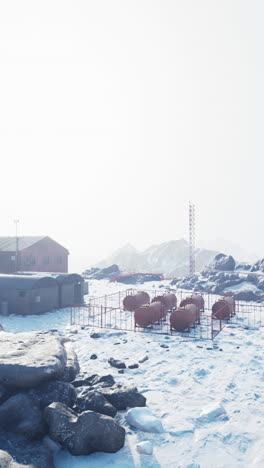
point(46, 260)
point(59, 260)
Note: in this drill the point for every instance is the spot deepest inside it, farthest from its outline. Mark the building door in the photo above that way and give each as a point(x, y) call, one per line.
point(77, 294)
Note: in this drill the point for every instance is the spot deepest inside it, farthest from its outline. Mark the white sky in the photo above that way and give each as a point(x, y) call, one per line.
point(113, 114)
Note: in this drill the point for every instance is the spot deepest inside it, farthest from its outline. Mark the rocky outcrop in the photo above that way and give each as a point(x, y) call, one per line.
point(103, 273)
point(223, 262)
point(28, 359)
point(17, 451)
point(85, 433)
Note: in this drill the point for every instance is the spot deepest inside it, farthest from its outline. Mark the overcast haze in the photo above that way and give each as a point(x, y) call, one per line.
point(114, 114)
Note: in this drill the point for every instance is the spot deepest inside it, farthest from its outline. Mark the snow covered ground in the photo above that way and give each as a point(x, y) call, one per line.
point(208, 395)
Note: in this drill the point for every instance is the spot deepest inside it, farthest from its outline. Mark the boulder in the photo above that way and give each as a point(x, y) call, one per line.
point(47, 393)
point(28, 359)
point(72, 365)
point(18, 452)
point(223, 262)
point(144, 420)
point(22, 415)
point(116, 363)
point(93, 400)
point(85, 433)
point(124, 397)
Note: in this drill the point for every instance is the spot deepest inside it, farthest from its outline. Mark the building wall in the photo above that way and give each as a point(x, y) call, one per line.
point(7, 262)
point(45, 255)
point(33, 301)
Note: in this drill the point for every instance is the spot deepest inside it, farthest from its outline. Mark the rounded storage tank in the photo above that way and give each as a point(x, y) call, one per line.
point(148, 314)
point(169, 301)
point(196, 299)
point(183, 318)
point(221, 309)
point(134, 301)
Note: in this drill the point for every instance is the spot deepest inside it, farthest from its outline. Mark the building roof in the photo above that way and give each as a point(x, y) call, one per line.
point(59, 277)
point(8, 244)
point(23, 282)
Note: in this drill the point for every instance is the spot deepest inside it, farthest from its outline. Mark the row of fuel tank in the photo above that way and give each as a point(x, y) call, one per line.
point(184, 317)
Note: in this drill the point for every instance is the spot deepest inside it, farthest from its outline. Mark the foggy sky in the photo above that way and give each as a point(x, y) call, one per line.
point(114, 114)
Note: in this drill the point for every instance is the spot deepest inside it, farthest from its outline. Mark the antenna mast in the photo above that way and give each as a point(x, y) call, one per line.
point(191, 238)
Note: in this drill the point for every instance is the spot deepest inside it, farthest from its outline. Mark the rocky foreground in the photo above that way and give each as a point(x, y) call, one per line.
point(44, 406)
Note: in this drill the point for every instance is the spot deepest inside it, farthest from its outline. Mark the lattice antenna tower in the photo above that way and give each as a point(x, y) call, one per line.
point(191, 238)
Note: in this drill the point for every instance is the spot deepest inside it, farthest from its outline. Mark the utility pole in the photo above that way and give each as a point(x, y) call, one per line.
point(16, 221)
point(191, 238)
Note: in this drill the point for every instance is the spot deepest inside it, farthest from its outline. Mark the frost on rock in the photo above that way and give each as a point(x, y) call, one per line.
point(144, 420)
point(212, 412)
point(145, 447)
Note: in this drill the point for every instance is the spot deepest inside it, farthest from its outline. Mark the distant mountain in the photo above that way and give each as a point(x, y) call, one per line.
point(170, 258)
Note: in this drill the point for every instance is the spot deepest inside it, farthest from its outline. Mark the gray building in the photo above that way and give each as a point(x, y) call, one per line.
point(29, 293)
point(25, 295)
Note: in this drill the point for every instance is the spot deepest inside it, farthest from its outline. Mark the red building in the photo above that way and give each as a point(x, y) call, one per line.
point(32, 254)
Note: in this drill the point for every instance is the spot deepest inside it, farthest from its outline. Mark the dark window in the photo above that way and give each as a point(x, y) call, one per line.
point(59, 260)
point(46, 260)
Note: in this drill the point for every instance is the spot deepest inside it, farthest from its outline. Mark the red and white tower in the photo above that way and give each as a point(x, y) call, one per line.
point(191, 238)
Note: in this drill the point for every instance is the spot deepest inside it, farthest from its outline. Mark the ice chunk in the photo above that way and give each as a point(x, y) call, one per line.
point(144, 419)
point(145, 447)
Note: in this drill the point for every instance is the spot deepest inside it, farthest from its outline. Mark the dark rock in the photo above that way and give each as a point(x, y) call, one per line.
point(164, 346)
point(17, 451)
point(258, 266)
point(116, 363)
point(121, 371)
point(3, 394)
point(93, 356)
point(133, 366)
point(145, 358)
point(72, 365)
point(95, 335)
point(104, 273)
point(261, 284)
point(243, 267)
point(27, 359)
point(124, 397)
point(93, 400)
point(223, 262)
point(49, 392)
point(22, 415)
point(85, 433)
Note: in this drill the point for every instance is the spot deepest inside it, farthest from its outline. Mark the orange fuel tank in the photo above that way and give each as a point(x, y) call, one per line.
point(183, 318)
point(148, 314)
point(134, 301)
point(221, 309)
point(169, 300)
point(196, 299)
